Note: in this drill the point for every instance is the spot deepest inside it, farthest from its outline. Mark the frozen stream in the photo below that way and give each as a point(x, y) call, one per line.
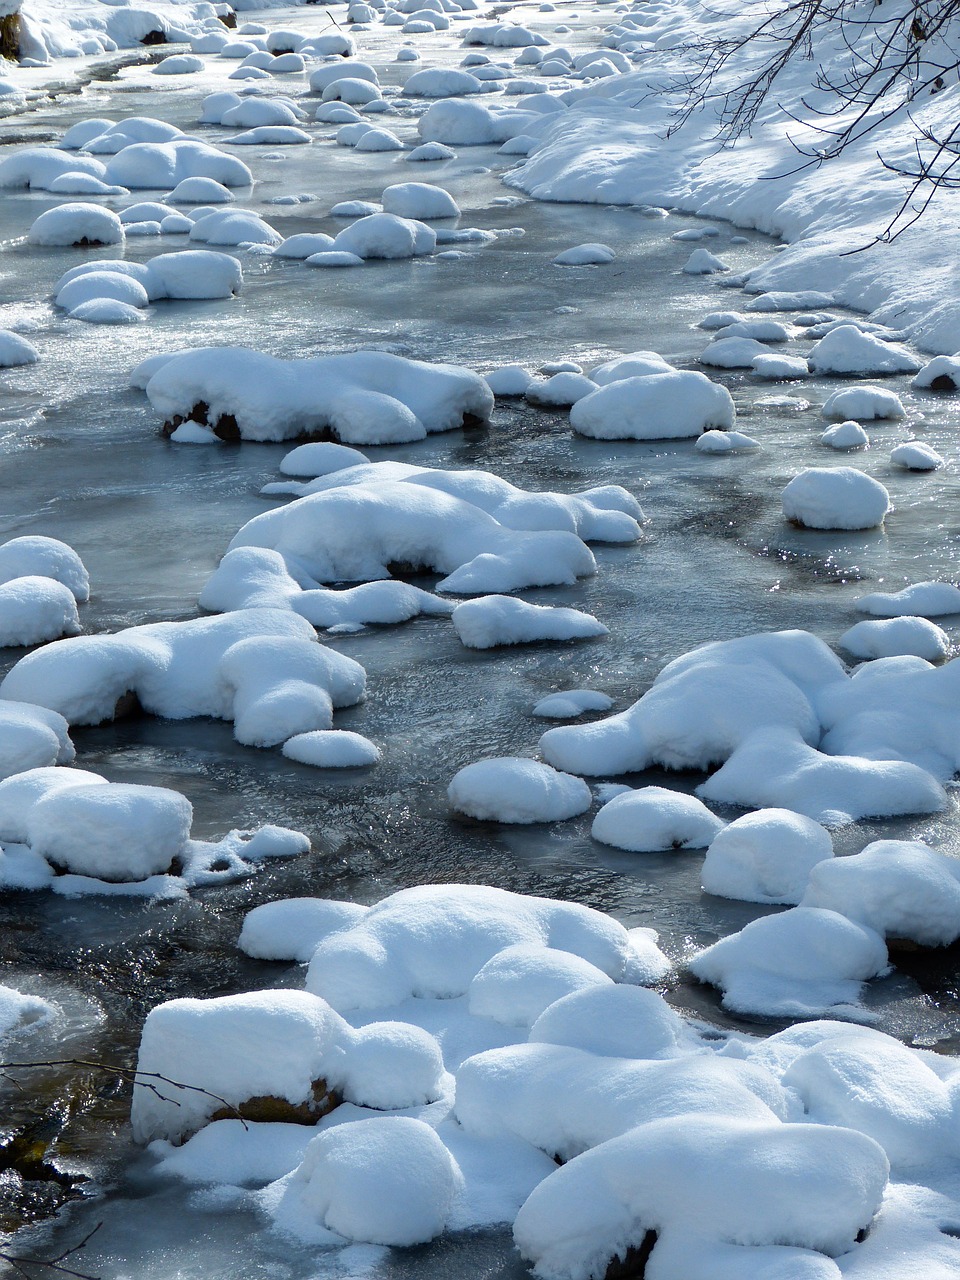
point(81, 459)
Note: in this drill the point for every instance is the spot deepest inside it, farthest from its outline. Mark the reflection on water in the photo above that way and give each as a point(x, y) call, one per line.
point(81, 459)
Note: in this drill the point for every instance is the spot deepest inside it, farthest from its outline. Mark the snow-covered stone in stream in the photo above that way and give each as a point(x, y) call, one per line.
point(496, 620)
point(655, 406)
point(429, 152)
point(704, 263)
point(520, 982)
point(76, 224)
point(365, 397)
point(419, 200)
point(233, 227)
point(436, 82)
point(333, 258)
point(106, 311)
point(850, 352)
point(293, 928)
point(349, 68)
point(117, 832)
point(805, 963)
point(37, 167)
point(386, 1180)
point(872, 1083)
point(652, 819)
point(355, 92)
point(846, 435)
point(774, 767)
point(509, 380)
point(712, 1184)
point(20, 792)
point(560, 391)
point(31, 737)
point(511, 789)
point(765, 856)
point(585, 255)
point(780, 300)
point(385, 235)
point(34, 554)
point(187, 274)
point(637, 364)
point(258, 578)
point(277, 135)
point(15, 350)
point(614, 1021)
point(260, 668)
point(180, 64)
point(942, 373)
point(200, 191)
point(34, 609)
point(863, 404)
point(274, 1054)
point(922, 599)
point(779, 368)
point(163, 165)
point(503, 35)
point(249, 113)
point(761, 330)
point(902, 889)
point(304, 245)
point(733, 353)
point(571, 703)
point(432, 940)
point(92, 285)
point(914, 455)
point(890, 637)
point(464, 123)
point(332, 749)
point(835, 498)
point(726, 442)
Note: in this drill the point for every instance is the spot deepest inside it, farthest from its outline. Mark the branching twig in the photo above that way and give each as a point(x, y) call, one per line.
point(19, 1262)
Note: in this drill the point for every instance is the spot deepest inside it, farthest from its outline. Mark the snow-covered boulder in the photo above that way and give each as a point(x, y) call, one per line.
point(15, 350)
point(921, 599)
point(31, 737)
point(765, 856)
point(495, 620)
point(419, 200)
point(893, 636)
point(849, 351)
point(835, 498)
point(76, 224)
point(653, 819)
point(34, 609)
point(511, 789)
point(863, 404)
point(654, 406)
point(34, 554)
point(914, 455)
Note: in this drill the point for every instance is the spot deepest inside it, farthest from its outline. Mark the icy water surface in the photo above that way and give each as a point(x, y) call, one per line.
point(81, 458)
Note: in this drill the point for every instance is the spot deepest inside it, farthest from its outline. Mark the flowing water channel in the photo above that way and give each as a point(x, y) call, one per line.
point(81, 459)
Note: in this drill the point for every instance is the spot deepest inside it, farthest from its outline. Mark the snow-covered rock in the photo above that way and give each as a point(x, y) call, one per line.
point(890, 637)
point(765, 856)
point(517, 790)
point(654, 406)
point(835, 498)
point(653, 819)
point(495, 620)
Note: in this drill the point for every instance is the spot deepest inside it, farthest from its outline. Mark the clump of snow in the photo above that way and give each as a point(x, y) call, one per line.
point(561, 390)
point(922, 599)
point(284, 1045)
point(332, 749)
point(76, 224)
point(45, 557)
point(31, 737)
point(804, 963)
point(863, 404)
point(571, 703)
point(902, 889)
point(495, 620)
point(34, 609)
point(903, 635)
point(704, 263)
point(779, 368)
point(387, 1180)
point(517, 790)
point(520, 982)
point(765, 856)
point(835, 498)
point(385, 235)
point(364, 397)
point(846, 435)
point(614, 1021)
point(848, 350)
point(419, 200)
point(653, 819)
point(15, 350)
point(654, 406)
point(726, 442)
point(733, 353)
point(509, 380)
point(942, 373)
point(585, 255)
point(914, 455)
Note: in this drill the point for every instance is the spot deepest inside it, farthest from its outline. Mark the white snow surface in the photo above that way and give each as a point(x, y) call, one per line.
point(835, 498)
point(511, 789)
point(494, 620)
point(652, 819)
point(765, 856)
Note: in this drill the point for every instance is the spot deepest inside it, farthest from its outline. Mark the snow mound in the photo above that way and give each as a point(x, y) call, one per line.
point(766, 857)
point(163, 165)
point(726, 442)
point(34, 554)
point(419, 200)
point(332, 749)
point(34, 609)
point(76, 224)
point(653, 819)
point(571, 703)
point(585, 255)
point(260, 668)
point(849, 351)
point(804, 963)
point(835, 498)
point(916, 456)
point(846, 435)
point(387, 236)
point(275, 1055)
point(517, 790)
point(863, 404)
point(520, 982)
point(614, 1021)
point(496, 620)
point(902, 889)
point(942, 373)
point(365, 397)
point(431, 941)
point(716, 1180)
point(922, 599)
point(31, 737)
point(903, 635)
point(655, 406)
point(388, 1180)
point(16, 351)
